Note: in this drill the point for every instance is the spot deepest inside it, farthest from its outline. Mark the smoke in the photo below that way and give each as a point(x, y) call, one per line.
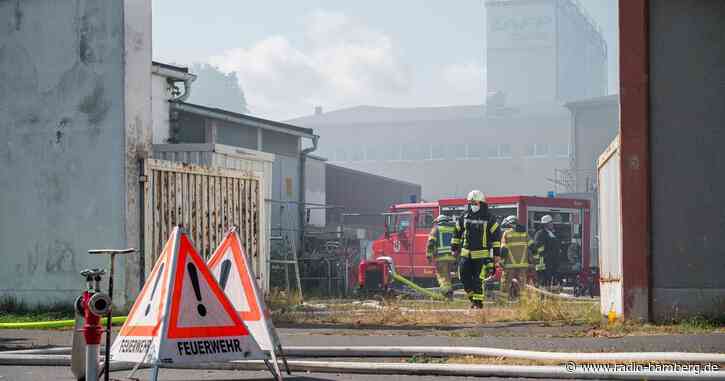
point(340, 62)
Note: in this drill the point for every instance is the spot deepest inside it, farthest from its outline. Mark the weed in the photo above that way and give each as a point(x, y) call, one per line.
point(13, 310)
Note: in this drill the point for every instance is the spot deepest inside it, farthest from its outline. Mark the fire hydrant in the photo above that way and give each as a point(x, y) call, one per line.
point(92, 305)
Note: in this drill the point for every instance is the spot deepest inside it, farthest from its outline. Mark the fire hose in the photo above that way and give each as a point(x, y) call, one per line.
point(477, 370)
point(408, 351)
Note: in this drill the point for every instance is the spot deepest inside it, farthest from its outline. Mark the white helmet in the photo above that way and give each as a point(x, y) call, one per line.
point(510, 221)
point(546, 219)
point(442, 219)
point(476, 195)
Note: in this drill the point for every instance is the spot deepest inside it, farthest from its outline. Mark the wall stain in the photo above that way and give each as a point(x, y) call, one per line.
point(95, 105)
point(64, 122)
point(61, 258)
point(85, 52)
point(18, 16)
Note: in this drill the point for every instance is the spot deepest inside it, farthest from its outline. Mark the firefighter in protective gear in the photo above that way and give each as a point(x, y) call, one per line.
point(515, 253)
point(545, 251)
point(476, 234)
point(439, 247)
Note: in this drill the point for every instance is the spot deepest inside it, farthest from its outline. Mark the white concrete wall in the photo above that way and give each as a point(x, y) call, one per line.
point(62, 151)
point(160, 96)
point(137, 123)
point(75, 115)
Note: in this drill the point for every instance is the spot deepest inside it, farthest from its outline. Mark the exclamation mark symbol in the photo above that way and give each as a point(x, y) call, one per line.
point(197, 291)
point(153, 290)
point(224, 276)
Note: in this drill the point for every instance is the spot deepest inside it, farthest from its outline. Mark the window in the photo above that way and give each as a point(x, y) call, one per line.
point(390, 152)
point(537, 150)
point(416, 152)
point(403, 223)
point(438, 152)
point(456, 151)
point(504, 150)
point(425, 219)
point(357, 153)
point(530, 150)
point(372, 153)
point(476, 151)
point(561, 150)
point(340, 154)
point(492, 152)
point(499, 151)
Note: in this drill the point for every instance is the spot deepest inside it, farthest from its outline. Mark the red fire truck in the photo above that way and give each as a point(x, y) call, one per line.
point(407, 227)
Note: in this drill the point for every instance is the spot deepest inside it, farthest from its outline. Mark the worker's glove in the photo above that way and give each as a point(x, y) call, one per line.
point(456, 248)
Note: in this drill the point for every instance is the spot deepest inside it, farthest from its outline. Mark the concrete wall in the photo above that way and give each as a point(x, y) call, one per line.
point(160, 96)
point(137, 126)
point(66, 123)
point(595, 124)
point(687, 158)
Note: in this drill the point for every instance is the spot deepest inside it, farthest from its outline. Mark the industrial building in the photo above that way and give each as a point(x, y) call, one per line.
point(543, 50)
point(667, 248)
point(431, 146)
point(540, 54)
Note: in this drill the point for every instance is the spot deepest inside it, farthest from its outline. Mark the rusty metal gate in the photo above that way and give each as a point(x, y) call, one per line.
point(207, 201)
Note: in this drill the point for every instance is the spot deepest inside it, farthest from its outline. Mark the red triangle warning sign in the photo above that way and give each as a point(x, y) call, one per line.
point(189, 320)
point(232, 269)
point(144, 318)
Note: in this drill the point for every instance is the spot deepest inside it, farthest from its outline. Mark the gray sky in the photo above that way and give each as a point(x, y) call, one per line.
point(293, 55)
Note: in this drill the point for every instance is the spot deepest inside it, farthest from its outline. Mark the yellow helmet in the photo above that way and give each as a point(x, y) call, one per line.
point(476, 195)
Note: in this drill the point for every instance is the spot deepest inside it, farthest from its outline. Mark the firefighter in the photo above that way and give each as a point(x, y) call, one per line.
point(515, 254)
point(545, 249)
point(475, 235)
point(439, 247)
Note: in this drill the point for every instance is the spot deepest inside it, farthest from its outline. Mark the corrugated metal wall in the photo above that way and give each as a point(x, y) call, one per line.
point(610, 229)
point(360, 192)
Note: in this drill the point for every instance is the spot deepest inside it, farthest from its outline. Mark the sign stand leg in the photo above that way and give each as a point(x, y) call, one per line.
point(155, 373)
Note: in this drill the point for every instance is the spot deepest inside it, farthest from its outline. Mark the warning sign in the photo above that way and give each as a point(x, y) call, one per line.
point(231, 267)
point(182, 316)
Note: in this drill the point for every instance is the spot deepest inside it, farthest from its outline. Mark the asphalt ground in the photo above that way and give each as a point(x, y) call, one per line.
point(504, 335)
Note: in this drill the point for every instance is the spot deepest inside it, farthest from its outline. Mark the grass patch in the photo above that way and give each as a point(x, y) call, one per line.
point(690, 326)
point(14, 311)
point(537, 307)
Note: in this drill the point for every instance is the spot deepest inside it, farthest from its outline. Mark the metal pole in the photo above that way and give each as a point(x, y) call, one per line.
point(155, 373)
point(92, 362)
point(107, 362)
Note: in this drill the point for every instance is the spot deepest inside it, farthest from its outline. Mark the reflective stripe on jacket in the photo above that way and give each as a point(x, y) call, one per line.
point(517, 245)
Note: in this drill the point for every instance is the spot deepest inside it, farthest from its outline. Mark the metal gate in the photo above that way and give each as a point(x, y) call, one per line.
point(207, 202)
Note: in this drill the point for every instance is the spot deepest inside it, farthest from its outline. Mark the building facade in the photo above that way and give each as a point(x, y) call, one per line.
point(543, 51)
point(594, 124)
point(450, 150)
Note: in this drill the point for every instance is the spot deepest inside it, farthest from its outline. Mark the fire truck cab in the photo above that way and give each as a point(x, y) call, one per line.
point(407, 227)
